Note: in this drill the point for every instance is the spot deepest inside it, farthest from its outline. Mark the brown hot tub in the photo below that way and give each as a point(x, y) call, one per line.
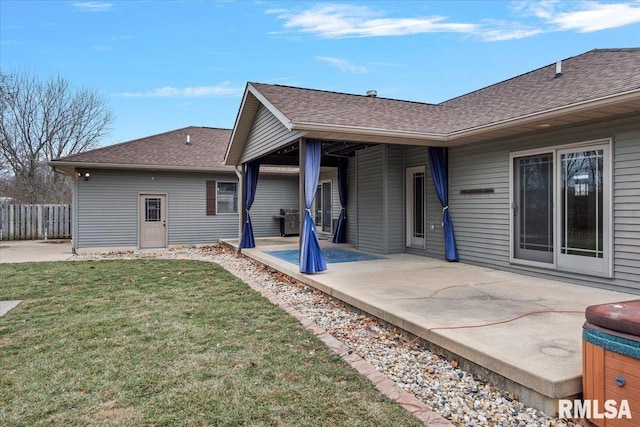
point(611, 361)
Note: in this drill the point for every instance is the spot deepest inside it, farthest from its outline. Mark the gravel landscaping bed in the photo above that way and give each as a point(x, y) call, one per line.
point(451, 392)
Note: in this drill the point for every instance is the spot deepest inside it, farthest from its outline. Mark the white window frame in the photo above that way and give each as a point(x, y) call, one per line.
point(607, 146)
point(218, 212)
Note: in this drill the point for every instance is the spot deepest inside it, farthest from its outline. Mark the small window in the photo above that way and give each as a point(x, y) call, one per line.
point(227, 197)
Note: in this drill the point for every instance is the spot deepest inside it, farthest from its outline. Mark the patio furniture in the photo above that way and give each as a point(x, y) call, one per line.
point(611, 360)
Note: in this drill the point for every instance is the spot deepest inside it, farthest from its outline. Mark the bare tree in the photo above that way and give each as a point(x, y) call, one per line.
point(41, 121)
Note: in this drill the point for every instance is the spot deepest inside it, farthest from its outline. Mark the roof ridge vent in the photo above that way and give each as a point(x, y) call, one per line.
point(558, 69)
point(372, 93)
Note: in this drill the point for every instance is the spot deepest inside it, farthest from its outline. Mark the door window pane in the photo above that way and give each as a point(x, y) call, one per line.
point(152, 210)
point(581, 186)
point(534, 207)
point(318, 206)
point(418, 205)
point(227, 197)
point(326, 206)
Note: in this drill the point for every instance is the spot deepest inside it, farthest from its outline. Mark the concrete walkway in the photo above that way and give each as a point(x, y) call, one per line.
point(34, 250)
point(7, 306)
point(519, 332)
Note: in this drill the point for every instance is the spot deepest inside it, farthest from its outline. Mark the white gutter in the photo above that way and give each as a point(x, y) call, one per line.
point(62, 163)
point(360, 130)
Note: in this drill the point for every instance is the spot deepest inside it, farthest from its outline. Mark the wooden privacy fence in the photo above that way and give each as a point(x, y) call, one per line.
point(26, 222)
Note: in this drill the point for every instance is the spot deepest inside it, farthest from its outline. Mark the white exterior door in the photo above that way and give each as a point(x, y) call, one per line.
point(416, 207)
point(152, 222)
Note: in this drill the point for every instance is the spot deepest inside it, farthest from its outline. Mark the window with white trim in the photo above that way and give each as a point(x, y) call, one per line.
point(227, 197)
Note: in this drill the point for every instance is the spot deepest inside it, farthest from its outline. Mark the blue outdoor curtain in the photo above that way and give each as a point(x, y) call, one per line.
point(437, 161)
point(340, 234)
point(251, 182)
point(311, 258)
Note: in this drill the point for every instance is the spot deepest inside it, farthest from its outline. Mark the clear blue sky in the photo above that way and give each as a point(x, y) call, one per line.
point(162, 65)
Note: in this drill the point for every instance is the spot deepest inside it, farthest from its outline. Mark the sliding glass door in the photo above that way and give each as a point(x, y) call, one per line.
point(561, 208)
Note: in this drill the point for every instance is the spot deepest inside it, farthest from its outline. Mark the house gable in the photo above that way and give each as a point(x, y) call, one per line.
point(266, 135)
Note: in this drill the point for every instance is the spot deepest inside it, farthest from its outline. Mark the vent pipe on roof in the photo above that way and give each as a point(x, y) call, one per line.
point(558, 69)
point(188, 140)
point(372, 93)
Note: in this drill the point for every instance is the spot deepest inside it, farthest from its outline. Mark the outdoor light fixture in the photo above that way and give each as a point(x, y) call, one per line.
point(86, 175)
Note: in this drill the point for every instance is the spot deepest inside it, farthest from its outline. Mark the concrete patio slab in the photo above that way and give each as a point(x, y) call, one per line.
point(12, 251)
point(519, 332)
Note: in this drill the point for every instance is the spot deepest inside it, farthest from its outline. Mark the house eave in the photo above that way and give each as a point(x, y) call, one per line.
point(630, 102)
point(364, 132)
point(70, 166)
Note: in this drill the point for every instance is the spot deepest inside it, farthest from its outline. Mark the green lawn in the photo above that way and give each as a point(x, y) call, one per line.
point(166, 342)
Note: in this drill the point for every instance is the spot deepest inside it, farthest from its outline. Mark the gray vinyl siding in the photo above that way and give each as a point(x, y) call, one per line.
point(481, 222)
point(626, 206)
point(419, 156)
point(396, 238)
point(370, 199)
point(380, 199)
point(272, 194)
point(267, 133)
point(108, 207)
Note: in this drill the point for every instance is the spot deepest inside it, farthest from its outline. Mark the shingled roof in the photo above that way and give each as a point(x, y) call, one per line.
point(596, 74)
point(342, 109)
point(165, 151)
point(594, 85)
